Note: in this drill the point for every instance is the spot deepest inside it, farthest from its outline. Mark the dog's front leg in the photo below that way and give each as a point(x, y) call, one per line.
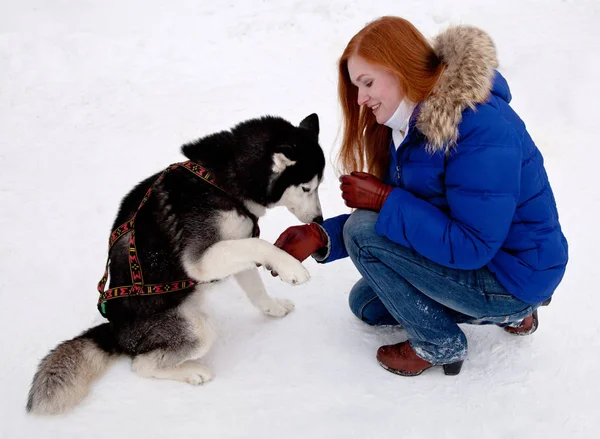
point(254, 287)
point(236, 255)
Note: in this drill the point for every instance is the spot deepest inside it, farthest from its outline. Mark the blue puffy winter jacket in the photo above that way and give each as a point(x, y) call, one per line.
point(484, 201)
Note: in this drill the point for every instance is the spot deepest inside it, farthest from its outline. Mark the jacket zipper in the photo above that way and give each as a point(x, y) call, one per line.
point(401, 148)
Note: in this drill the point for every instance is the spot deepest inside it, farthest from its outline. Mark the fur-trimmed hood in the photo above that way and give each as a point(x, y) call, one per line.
point(470, 58)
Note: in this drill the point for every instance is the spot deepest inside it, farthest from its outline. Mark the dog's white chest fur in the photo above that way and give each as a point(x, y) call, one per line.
point(232, 225)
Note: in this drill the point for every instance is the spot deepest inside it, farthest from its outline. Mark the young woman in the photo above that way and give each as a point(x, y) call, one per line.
point(455, 221)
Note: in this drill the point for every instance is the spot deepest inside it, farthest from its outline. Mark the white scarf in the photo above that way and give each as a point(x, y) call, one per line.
point(399, 121)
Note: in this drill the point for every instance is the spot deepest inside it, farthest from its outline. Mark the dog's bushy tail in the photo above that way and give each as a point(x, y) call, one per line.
point(64, 376)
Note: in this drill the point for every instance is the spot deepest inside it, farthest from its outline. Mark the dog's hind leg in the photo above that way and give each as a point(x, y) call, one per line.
point(252, 284)
point(180, 343)
point(159, 364)
point(236, 255)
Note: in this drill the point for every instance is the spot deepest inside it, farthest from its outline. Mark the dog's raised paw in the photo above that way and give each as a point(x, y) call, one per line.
point(279, 308)
point(292, 272)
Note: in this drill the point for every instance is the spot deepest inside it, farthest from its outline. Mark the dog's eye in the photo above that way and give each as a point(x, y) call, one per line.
point(306, 189)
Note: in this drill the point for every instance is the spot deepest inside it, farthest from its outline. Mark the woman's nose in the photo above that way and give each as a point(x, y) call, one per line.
point(362, 98)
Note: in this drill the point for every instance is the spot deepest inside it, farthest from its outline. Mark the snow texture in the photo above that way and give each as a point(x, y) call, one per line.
point(97, 95)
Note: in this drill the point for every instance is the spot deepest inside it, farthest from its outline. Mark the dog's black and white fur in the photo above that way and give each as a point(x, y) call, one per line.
point(190, 229)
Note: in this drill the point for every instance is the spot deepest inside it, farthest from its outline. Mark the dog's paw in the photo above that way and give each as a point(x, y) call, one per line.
point(194, 373)
point(278, 308)
point(291, 271)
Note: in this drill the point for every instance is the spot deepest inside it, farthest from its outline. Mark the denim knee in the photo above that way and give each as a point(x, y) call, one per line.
point(359, 229)
point(367, 306)
point(362, 310)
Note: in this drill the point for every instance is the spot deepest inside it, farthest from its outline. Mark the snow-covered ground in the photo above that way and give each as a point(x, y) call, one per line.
point(96, 95)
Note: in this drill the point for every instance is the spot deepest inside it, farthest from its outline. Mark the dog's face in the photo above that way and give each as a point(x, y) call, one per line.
point(303, 201)
point(298, 164)
point(268, 161)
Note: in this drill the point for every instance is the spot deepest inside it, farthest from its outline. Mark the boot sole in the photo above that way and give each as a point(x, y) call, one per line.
point(449, 369)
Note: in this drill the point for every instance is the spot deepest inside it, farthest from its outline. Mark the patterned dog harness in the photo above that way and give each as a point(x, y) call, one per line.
point(138, 287)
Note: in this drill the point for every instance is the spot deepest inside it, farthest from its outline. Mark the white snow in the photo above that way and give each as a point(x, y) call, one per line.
point(96, 95)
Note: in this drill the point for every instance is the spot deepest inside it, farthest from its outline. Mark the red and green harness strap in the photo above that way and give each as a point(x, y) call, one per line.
point(138, 287)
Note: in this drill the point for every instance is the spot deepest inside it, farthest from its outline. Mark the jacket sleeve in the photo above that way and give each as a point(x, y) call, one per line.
point(482, 189)
point(336, 249)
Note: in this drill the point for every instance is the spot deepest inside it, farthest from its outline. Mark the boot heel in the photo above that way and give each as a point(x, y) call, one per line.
point(453, 368)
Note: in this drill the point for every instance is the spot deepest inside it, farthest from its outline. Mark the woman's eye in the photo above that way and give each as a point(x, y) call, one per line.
point(305, 189)
point(368, 84)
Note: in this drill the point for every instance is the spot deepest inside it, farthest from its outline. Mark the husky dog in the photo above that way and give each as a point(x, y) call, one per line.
point(189, 228)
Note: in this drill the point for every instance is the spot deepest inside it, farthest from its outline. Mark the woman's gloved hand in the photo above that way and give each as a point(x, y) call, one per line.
point(364, 191)
point(302, 241)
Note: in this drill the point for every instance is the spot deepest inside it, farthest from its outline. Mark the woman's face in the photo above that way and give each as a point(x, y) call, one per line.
point(378, 88)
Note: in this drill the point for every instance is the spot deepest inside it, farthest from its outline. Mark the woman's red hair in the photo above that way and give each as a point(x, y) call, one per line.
point(395, 44)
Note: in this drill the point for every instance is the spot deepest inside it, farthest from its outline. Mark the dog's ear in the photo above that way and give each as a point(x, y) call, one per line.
point(283, 157)
point(210, 150)
point(311, 123)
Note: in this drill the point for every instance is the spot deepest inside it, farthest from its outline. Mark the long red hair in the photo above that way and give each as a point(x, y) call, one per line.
point(395, 44)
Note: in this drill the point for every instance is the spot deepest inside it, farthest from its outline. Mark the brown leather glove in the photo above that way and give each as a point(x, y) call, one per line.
point(302, 241)
point(364, 191)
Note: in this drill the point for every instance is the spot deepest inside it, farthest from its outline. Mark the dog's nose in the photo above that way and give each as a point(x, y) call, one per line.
point(318, 219)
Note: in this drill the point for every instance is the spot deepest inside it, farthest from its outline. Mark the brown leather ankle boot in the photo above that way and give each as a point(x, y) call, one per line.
point(401, 359)
point(527, 326)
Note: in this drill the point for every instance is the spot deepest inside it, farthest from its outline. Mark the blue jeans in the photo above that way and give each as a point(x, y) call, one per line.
point(399, 286)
